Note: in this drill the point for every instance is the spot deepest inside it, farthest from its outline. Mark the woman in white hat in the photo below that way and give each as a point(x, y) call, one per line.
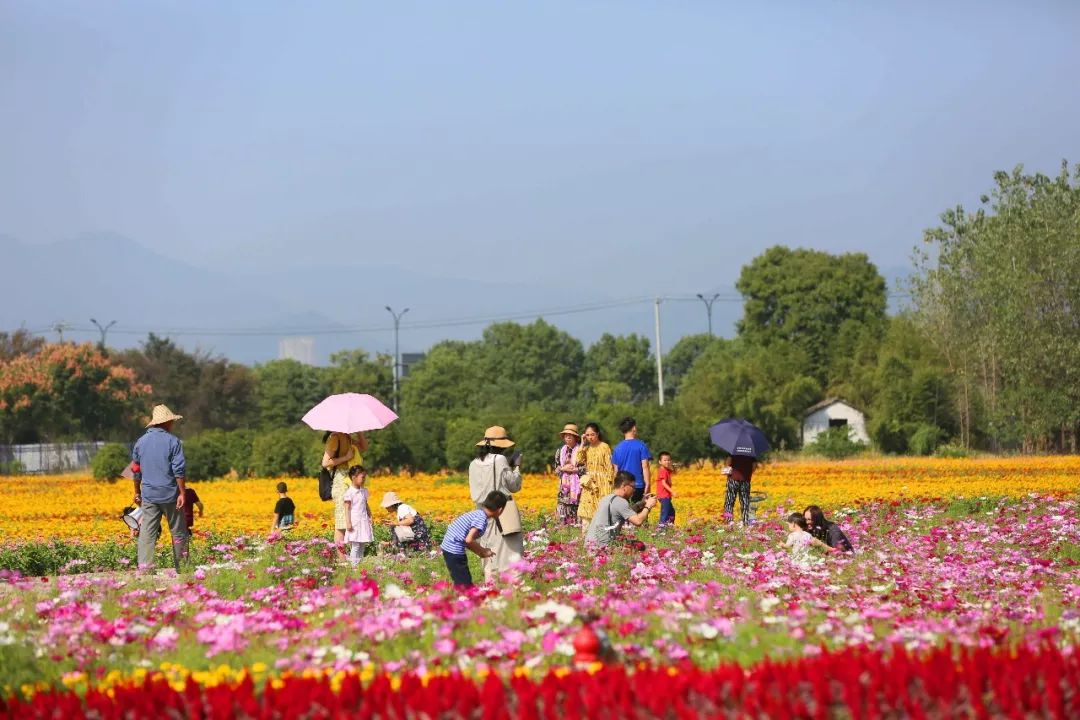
point(408, 531)
point(568, 471)
point(492, 470)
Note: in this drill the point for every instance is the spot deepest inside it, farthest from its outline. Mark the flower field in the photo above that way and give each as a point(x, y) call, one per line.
point(961, 600)
point(71, 507)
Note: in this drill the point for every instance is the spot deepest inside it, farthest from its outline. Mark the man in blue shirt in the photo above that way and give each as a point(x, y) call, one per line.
point(633, 456)
point(158, 457)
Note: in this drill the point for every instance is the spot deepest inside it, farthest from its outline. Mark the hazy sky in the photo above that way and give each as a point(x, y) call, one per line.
point(651, 144)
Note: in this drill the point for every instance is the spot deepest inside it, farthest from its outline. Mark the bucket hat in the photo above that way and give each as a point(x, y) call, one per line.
point(570, 429)
point(390, 499)
point(496, 437)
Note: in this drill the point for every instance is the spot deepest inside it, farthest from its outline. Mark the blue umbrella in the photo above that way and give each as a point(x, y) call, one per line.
point(738, 437)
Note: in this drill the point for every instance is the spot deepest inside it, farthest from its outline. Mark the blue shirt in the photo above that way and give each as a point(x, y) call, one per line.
point(161, 458)
point(628, 455)
point(454, 540)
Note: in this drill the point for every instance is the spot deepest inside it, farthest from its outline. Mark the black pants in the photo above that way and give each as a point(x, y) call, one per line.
point(740, 489)
point(458, 565)
point(639, 494)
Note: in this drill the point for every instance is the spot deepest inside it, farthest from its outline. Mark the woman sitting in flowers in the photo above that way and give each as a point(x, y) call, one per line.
point(799, 540)
point(408, 531)
point(826, 531)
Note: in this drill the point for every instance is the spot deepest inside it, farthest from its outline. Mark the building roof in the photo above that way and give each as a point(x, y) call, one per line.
point(826, 403)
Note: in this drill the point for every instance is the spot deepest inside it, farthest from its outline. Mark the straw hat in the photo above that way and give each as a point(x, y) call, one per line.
point(390, 499)
point(161, 415)
point(496, 437)
point(570, 429)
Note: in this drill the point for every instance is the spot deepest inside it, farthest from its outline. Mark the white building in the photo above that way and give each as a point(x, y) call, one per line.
point(833, 412)
point(301, 349)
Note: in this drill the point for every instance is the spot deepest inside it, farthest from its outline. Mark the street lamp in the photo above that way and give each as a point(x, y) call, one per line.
point(103, 330)
point(397, 353)
point(708, 307)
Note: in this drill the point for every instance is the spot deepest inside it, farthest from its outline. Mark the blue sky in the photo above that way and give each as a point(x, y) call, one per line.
point(655, 146)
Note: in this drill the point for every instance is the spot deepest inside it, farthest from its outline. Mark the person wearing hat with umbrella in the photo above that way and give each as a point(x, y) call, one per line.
point(159, 486)
point(492, 471)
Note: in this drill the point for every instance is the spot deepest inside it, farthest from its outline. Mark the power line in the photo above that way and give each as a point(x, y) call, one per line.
point(421, 325)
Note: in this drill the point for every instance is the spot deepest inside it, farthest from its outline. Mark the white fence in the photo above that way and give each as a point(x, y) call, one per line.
point(49, 458)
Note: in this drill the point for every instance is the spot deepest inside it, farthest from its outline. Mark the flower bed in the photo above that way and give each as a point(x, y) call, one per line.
point(854, 683)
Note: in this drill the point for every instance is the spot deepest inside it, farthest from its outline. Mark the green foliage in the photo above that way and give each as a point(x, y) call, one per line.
point(286, 390)
point(110, 461)
point(763, 385)
point(810, 298)
point(447, 379)
point(681, 358)
point(835, 443)
point(11, 467)
point(952, 450)
point(997, 295)
point(210, 392)
point(353, 371)
point(206, 455)
point(524, 364)
point(925, 439)
point(286, 451)
point(621, 361)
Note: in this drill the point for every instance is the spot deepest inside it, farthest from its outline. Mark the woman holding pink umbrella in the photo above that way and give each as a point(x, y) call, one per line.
point(345, 418)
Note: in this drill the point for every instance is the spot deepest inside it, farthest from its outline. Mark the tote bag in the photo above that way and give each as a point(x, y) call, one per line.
point(510, 521)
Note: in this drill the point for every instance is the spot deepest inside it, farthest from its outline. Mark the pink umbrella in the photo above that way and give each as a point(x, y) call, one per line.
point(349, 413)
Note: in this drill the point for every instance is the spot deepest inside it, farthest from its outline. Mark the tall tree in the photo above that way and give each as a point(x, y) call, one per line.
point(67, 391)
point(998, 292)
point(523, 364)
point(19, 342)
point(624, 360)
point(448, 378)
point(681, 358)
point(286, 390)
point(810, 298)
point(355, 371)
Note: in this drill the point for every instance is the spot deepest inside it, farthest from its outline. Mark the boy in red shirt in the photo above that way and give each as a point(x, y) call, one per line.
point(663, 489)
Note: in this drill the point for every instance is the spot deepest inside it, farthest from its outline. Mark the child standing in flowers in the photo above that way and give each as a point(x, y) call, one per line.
point(465, 532)
point(284, 510)
point(358, 530)
point(663, 489)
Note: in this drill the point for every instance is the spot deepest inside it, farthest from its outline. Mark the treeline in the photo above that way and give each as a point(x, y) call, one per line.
point(984, 357)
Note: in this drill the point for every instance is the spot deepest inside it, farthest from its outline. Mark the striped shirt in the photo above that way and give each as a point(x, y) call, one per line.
point(454, 540)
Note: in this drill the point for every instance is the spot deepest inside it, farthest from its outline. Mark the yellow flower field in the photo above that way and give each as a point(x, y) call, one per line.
point(76, 507)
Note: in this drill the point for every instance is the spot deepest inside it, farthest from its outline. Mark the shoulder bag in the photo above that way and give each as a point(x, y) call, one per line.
point(509, 523)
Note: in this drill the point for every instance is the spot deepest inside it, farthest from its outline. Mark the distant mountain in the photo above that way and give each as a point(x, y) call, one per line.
point(243, 314)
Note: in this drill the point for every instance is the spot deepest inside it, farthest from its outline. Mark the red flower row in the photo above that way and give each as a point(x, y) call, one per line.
point(856, 683)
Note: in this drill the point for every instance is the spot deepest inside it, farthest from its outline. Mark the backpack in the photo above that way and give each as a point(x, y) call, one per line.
point(326, 484)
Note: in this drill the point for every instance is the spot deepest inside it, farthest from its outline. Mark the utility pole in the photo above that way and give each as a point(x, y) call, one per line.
point(397, 354)
point(708, 307)
point(659, 356)
point(103, 331)
point(59, 328)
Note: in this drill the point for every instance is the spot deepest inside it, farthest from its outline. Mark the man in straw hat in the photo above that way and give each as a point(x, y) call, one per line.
point(159, 486)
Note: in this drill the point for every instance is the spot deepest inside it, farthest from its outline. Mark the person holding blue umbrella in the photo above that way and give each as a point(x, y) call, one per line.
point(744, 443)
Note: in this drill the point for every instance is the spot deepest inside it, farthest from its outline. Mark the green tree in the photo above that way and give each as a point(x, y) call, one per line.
point(524, 364)
point(286, 390)
point(997, 293)
point(809, 298)
point(623, 359)
point(681, 358)
point(765, 385)
point(355, 371)
point(210, 392)
point(447, 379)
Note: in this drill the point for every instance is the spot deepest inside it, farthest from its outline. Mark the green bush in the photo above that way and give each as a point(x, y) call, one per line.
point(835, 443)
point(12, 467)
point(216, 453)
point(287, 452)
point(952, 450)
point(110, 461)
point(925, 439)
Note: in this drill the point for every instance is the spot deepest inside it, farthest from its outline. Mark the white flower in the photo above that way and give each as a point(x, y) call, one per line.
point(393, 592)
point(768, 603)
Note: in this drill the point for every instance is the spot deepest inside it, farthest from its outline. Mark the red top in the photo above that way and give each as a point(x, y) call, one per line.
point(190, 498)
point(661, 475)
point(742, 467)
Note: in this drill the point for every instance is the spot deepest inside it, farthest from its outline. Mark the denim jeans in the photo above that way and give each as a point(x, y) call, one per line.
point(458, 565)
point(667, 511)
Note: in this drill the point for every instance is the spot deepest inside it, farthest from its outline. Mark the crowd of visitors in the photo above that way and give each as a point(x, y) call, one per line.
point(599, 490)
